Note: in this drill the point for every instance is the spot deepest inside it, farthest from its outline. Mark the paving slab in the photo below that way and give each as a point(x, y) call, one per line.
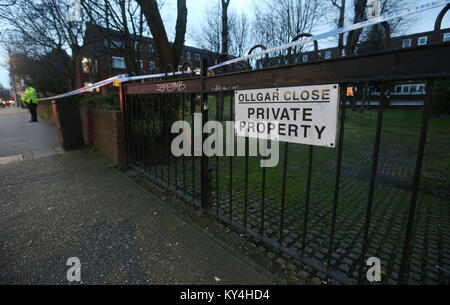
point(19, 136)
point(78, 205)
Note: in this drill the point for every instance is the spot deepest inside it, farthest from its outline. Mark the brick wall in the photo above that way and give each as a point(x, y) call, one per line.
point(45, 111)
point(101, 128)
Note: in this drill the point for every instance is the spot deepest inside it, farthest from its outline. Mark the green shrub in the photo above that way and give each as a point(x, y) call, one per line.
point(108, 101)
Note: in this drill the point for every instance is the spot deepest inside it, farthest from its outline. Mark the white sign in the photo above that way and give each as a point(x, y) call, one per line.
point(305, 115)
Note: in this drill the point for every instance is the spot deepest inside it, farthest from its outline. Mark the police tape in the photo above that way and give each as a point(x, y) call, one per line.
point(159, 75)
point(385, 17)
point(87, 88)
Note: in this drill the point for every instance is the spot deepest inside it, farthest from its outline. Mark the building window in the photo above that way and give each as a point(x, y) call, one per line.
point(141, 64)
point(116, 44)
point(305, 58)
point(446, 37)
point(421, 89)
point(319, 55)
point(327, 54)
point(343, 52)
point(152, 65)
point(151, 48)
point(422, 41)
point(405, 89)
point(85, 64)
point(118, 62)
point(197, 57)
point(413, 89)
point(406, 43)
point(398, 89)
point(188, 55)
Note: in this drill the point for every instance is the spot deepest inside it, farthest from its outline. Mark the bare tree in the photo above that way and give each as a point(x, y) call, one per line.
point(341, 20)
point(359, 14)
point(120, 16)
point(277, 22)
point(36, 28)
point(224, 6)
point(169, 53)
point(239, 35)
point(210, 36)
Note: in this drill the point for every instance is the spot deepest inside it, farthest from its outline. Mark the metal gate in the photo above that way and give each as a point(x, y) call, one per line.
point(331, 209)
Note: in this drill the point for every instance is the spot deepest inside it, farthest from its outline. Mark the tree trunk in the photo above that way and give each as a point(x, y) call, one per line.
point(220, 101)
point(225, 4)
point(168, 53)
point(340, 25)
point(353, 37)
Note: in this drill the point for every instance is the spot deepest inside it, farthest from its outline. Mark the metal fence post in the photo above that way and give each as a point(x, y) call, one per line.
point(404, 267)
point(123, 125)
point(205, 192)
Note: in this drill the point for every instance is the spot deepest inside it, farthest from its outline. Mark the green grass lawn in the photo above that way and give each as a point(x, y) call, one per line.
point(395, 173)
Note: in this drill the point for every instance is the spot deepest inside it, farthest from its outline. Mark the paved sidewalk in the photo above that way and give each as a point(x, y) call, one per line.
point(78, 205)
point(20, 139)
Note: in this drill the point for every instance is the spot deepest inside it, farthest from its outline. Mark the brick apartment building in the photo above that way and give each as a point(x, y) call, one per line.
point(406, 41)
point(103, 58)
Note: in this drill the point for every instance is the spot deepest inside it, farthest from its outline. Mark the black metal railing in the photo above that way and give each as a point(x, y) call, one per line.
point(329, 208)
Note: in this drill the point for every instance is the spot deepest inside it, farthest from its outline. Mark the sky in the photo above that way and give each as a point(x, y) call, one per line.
point(198, 8)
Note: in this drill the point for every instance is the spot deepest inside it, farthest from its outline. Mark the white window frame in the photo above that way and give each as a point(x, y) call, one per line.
point(422, 43)
point(188, 55)
point(197, 57)
point(121, 59)
point(446, 37)
point(327, 54)
point(305, 58)
point(343, 52)
point(408, 45)
point(152, 65)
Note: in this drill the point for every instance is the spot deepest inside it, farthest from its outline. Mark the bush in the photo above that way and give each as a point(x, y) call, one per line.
point(108, 101)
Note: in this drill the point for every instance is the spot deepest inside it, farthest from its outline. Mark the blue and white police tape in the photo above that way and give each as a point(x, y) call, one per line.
point(88, 88)
point(385, 17)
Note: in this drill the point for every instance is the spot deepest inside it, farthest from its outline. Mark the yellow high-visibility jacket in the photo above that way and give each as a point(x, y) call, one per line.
point(30, 96)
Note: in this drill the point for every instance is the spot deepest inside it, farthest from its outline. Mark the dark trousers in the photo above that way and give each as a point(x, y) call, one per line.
point(32, 108)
